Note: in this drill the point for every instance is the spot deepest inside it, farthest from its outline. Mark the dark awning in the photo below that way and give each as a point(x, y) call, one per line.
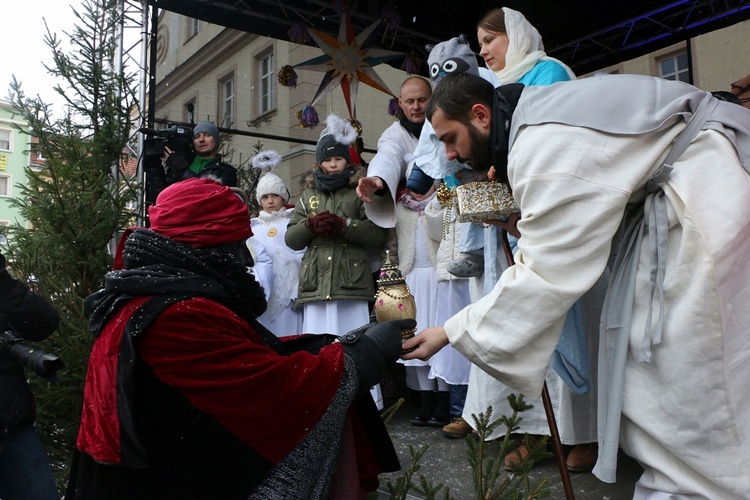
point(585, 34)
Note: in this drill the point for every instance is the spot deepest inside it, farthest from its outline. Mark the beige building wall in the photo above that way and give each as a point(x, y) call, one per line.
point(720, 58)
point(192, 65)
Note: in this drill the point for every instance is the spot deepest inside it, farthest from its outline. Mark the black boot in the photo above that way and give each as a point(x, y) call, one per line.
point(440, 416)
point(426, 408)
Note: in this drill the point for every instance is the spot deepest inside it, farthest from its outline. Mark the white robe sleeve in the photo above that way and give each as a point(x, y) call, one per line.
point(572, 186)
point(263, 267)
point(395, 149)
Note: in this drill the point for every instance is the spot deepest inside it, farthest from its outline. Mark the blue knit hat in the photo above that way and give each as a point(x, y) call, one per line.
point(208, 128)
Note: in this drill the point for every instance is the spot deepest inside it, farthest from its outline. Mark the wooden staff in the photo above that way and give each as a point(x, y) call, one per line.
point(546, 401)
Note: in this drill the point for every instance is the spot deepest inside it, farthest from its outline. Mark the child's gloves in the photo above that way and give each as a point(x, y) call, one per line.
point(326, 224)
point(316, 223)
point(331, 225)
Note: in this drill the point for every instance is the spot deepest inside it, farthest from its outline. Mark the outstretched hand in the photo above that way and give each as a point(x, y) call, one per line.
point(425, 344)
point(367, 186)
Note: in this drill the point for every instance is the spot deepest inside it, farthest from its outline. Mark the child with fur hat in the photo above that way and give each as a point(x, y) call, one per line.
point(335, 284)
point(269, 228)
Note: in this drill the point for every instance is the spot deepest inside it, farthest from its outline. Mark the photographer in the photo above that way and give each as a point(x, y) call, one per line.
point(202, 160)
point(24, 468)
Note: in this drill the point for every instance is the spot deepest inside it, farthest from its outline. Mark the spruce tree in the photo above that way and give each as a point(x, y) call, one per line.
point(74, 206)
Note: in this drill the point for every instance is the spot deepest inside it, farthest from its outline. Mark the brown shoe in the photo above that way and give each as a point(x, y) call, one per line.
point(582, 457)
point(521, 453)
point(516, 457)
point(457, 429)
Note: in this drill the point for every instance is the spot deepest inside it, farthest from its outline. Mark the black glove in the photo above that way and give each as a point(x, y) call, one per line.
point(372, 348)
point(176, 164)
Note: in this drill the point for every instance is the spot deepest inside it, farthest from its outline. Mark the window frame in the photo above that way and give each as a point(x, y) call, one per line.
point(10, 139)
point(266, 101)
point(8, 186)
point(228, 78)
point(192, 27)
point(678, 71)
point(186, 113)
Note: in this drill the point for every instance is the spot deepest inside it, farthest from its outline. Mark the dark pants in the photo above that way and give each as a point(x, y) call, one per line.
point(457, 399)
point(24, 468)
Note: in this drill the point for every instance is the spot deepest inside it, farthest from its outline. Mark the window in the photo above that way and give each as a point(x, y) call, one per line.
point(5, 139)
point(4, 185)
point(675, 67)
point(189, 111)
point(226, 101)
point(194, 26)
point(266, 84)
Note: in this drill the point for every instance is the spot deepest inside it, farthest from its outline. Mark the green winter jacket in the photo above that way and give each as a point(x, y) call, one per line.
point(336, 268)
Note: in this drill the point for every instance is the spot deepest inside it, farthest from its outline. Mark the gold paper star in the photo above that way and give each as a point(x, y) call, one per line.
point(347, 61)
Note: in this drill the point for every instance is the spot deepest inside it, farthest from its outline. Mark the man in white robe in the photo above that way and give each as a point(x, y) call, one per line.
point(395, 151)
point(580, 156)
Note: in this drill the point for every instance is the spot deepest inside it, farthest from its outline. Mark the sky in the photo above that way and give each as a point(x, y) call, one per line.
point(22, 35)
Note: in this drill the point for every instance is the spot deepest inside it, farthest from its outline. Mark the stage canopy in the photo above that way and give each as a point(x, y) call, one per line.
point(585, 34)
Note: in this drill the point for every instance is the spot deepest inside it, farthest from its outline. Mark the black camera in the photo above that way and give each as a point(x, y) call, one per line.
point(178, 138)
point(43, 364)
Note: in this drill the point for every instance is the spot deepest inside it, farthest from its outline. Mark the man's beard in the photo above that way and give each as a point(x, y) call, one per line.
point(479, 153)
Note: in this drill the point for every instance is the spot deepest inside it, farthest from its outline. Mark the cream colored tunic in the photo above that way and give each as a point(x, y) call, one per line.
point(686, 414)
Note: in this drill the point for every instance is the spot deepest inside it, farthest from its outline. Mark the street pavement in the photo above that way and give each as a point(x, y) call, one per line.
point(445, 461)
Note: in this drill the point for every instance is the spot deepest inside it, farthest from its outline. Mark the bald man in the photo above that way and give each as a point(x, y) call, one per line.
point(398, 142)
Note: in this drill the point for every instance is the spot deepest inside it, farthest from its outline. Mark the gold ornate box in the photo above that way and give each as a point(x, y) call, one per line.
point(485, 200)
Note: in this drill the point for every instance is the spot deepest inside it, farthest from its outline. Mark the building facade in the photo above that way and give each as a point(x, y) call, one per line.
point(16, 153)
point(715, 61)
point(230, 77)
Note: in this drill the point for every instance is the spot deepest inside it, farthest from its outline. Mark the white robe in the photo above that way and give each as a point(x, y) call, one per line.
point(686, 414)
point(395, 152)
point(280, 316)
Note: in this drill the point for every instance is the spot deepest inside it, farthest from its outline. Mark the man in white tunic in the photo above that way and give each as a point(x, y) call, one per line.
point(585, 162)
point(395, 151)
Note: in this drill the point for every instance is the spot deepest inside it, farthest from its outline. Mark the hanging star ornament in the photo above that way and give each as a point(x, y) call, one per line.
point(348, 60)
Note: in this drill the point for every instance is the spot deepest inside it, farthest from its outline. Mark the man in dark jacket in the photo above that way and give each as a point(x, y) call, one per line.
point(24, 469)
point(203, 161)
point(187, 395)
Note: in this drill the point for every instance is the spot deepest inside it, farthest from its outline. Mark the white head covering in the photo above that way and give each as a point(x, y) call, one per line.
point(271, 184)
point(525, 48)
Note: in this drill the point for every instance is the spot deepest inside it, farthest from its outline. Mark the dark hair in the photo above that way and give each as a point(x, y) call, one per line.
point(723, 95)
point(494, 21)
point(457, 93)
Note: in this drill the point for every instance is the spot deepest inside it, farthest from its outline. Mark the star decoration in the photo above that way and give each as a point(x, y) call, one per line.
point(348, 60)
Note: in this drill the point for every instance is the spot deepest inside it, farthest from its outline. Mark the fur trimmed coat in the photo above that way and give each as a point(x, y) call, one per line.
point(338, 267)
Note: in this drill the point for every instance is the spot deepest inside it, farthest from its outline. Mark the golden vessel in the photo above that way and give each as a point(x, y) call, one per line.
point(393, 300)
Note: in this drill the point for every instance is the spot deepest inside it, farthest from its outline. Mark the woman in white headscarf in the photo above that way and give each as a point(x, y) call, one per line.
point(513, 50)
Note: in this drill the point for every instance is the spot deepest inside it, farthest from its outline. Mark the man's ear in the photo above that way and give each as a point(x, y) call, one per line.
point(481, 114)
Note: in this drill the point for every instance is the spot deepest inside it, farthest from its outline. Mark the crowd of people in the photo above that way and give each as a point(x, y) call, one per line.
point(237, 357)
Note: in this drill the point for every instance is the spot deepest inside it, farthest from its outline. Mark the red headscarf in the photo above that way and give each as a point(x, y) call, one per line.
point(200, 212)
